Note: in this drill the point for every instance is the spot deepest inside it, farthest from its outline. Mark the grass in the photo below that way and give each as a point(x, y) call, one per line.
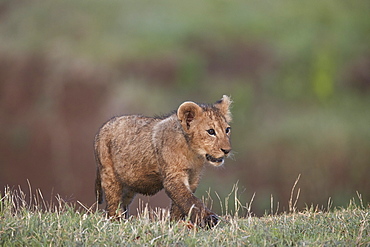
point(35, 222)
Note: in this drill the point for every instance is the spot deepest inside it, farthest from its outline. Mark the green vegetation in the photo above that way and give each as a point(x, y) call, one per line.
point(37, 223)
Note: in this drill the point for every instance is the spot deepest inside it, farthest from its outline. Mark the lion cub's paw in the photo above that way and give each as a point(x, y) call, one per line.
point(211, 221)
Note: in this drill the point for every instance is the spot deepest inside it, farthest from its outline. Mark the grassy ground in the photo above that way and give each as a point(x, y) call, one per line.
point(60, 224)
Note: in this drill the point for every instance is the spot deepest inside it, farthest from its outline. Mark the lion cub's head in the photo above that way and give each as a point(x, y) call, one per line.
point(208, 129)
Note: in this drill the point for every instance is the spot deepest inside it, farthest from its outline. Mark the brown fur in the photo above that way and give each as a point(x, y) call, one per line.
point(137, 154)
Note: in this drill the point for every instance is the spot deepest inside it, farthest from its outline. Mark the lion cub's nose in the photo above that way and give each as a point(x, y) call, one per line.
point(226, 151)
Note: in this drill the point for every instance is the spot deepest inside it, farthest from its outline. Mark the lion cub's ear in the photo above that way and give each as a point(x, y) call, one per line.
point(187, 112)
point(224, 106)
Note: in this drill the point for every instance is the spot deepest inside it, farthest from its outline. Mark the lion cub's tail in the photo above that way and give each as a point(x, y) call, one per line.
point(98, 189)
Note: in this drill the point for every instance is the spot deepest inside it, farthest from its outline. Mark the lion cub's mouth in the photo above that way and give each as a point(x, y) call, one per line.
point(213, 159)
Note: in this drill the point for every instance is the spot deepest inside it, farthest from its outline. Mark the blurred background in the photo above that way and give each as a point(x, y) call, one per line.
point(298, 72)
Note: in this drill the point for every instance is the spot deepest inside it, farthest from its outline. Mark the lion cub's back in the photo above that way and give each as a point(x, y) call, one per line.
point(128, 130)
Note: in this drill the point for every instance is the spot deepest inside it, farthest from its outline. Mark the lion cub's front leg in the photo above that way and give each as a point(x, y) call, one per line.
point(184, 202)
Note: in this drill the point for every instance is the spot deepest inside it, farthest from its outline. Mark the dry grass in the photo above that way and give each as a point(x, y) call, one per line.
point(34, 222)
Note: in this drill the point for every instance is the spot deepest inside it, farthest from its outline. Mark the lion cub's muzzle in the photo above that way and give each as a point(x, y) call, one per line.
point(213, 159)
point(218, 161)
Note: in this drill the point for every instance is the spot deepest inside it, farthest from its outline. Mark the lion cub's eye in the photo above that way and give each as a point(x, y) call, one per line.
point(228, 130)
point(212, 132)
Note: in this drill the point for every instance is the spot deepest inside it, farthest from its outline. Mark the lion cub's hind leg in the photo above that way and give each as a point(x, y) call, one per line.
point(117, 196)
point(127, 197)
point(113, 194)
point(118, 201)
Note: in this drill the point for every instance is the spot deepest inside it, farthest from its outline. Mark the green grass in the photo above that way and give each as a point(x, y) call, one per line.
point(35, 222)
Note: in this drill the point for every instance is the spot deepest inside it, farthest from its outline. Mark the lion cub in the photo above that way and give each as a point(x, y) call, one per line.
point(137, 154)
